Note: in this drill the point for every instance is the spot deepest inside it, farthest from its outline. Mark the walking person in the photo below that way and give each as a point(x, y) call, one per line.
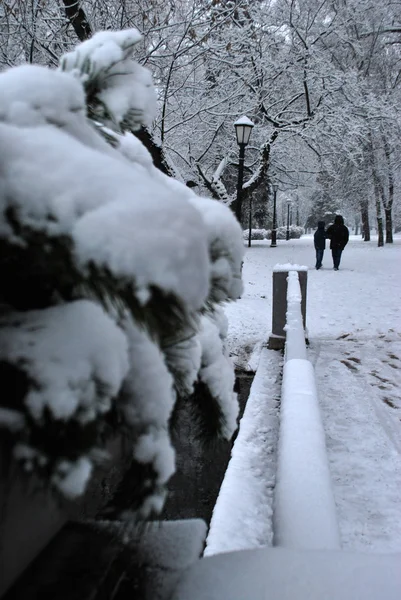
point(338, 235)
point(320, 243)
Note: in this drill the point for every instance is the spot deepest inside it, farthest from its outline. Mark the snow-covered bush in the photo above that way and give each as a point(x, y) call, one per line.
point(295, 232)
point(111, 274)
point(256, 234)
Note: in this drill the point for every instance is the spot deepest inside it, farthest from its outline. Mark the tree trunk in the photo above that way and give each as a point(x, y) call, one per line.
point(379, 217)
point(388, 206)
point(365, 221)
point(389, 225)
point(380, 238)
point(156, 151)
point(77, 17)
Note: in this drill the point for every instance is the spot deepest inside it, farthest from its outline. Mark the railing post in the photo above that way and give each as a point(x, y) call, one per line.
point(279, 302)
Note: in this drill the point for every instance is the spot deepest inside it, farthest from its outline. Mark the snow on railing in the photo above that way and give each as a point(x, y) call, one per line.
point(295, 346)
point(304, 509)
point(279, 302)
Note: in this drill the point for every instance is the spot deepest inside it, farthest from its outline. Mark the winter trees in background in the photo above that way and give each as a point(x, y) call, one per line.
point(112, 275)
point(368, 156)
point(320, 80)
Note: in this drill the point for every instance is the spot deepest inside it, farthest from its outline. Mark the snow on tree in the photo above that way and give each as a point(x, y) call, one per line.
point(118, 89)
point(111, 272)
point(318, 79)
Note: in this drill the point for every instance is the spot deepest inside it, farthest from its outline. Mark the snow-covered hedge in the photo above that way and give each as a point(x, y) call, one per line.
point(295, 232)
point(256, 234)
point(111, 274)
point(266, 234)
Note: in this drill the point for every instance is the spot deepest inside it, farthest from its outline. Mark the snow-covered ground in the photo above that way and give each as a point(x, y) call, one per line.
point(354, 324)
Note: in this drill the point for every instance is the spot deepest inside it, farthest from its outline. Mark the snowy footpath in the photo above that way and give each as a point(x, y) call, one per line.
point(354, 326)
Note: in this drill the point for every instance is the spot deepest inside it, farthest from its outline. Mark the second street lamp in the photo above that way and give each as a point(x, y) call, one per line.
point(287, 237)
point(250, 222)
point(274, 228)
point(243, 128)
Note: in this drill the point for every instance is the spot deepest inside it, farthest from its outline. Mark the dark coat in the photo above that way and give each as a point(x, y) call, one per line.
point(320, 236)
point(338, 234)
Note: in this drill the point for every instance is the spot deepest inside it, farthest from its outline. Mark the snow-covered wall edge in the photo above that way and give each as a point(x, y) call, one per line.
point(288, 267)
point(304, 507)
point(295, 346)
point(242, 516)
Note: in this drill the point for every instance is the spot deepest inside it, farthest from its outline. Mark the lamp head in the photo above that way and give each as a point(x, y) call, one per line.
point(243, 129)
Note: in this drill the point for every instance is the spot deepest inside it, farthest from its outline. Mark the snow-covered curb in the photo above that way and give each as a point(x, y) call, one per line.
point(242, 517)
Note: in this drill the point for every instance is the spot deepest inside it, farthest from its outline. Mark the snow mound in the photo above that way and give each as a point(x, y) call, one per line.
point(32, 96)
point(225, 247)
point(123, 86)
point(217, 372)
point(76, 194)
point(75, 354)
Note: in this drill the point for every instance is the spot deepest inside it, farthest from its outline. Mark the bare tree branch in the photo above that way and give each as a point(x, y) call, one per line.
point(78, 19)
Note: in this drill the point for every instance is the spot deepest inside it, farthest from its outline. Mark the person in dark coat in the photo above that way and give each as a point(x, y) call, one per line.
point(338, 235)
point(320, 243)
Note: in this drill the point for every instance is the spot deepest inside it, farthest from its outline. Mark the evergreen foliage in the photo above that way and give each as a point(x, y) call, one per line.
point(88, 347)
point(323, 208)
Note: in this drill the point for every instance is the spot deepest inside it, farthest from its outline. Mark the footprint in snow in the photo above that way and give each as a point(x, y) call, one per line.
point(389, 402)
point(349, 365)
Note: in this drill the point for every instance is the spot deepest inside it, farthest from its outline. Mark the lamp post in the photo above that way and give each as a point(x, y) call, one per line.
point(287, 237)
point(274, 228)
point(243, 128)
point(250, 222)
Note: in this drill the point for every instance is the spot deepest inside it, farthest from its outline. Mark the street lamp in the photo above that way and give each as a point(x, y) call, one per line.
point(250, 222)
point(243, 128)
point(287, 237)
point(274, 228)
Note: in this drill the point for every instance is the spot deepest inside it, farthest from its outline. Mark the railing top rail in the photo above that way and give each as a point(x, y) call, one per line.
point(281, 276)
point(295, 345)
point(289, 267)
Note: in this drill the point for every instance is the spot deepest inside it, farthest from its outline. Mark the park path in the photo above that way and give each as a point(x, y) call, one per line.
point(361, 409)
